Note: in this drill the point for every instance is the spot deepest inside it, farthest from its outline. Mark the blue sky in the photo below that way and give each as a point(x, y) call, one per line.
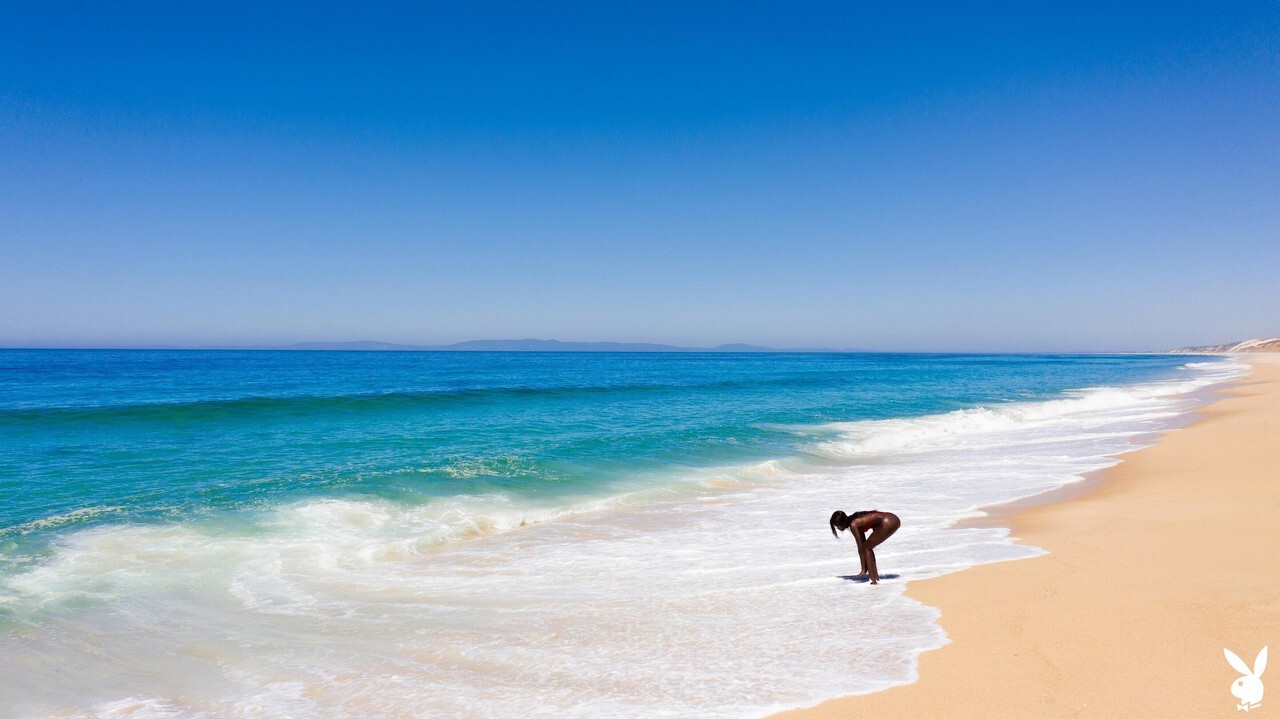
point(968, 177)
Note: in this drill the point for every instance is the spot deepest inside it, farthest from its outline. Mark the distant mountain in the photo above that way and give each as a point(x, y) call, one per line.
point(739, 347)
point(363, 346)
point(525, 345)
point(1270, 344)
point(529, 345)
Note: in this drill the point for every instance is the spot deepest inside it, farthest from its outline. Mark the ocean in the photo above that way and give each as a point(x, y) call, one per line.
point(472, 534)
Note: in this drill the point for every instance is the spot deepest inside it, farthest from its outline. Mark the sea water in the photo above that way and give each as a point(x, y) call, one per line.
point(333, 534)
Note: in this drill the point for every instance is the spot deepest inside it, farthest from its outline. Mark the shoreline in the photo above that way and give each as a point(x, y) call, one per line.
point(1004, 513)
point(1112, 620)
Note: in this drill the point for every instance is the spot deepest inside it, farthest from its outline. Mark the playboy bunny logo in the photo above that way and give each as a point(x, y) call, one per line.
point(1248, 688)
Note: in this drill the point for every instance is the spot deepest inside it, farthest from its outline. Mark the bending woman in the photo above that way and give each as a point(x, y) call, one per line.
point(882, 525)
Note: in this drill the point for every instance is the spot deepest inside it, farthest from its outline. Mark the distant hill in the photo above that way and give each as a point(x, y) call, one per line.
point(525, 345)
point(529, 345)
point(365, 346)
point(1270, 344)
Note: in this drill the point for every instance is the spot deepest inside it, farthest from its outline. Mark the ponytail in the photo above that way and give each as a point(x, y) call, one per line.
point(838, 518)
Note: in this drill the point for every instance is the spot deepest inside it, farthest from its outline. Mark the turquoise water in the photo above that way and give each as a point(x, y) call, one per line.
point(179, 434)
point(336, 534)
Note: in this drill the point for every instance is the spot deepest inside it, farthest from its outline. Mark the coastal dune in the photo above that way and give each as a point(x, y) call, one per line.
point(1154, 568)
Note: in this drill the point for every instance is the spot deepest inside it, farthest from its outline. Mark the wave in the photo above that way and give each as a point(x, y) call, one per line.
point(58, 521)
point(247, 407)
point(1051, 420)
point(323, 536)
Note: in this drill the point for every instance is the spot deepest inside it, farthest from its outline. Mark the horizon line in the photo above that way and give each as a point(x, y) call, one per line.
point(532, 346)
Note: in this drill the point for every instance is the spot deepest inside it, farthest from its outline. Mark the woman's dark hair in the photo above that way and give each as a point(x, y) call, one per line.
point(840, 520)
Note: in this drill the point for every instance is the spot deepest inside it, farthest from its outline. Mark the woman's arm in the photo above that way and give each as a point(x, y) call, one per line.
point(856, 531)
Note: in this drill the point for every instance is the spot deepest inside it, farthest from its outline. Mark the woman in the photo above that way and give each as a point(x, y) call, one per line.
point(882, 525)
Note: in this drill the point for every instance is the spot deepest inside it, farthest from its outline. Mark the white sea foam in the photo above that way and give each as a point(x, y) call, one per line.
point(719, 596)
point(58, 520)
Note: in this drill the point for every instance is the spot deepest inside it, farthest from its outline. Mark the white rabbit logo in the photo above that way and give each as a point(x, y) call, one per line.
point(1248, 688)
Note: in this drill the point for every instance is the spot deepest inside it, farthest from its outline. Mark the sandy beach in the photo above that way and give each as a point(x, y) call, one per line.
point(1152, 570)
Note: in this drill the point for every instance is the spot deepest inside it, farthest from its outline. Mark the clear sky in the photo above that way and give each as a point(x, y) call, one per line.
point(1085, 176)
